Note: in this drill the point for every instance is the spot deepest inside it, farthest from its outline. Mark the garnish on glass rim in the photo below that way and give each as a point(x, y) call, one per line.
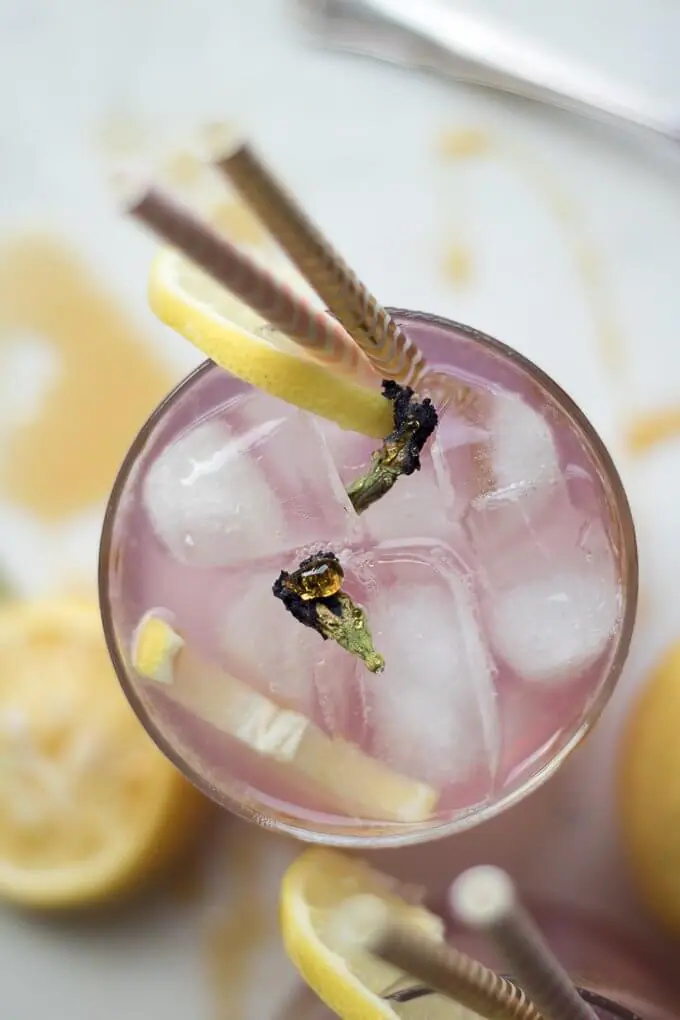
point(414, 423)
point(321, 335)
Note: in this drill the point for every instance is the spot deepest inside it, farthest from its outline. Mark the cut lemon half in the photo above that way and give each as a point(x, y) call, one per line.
point(89, 807)
point(649, 791)
point(238, 340)
point(328, 905)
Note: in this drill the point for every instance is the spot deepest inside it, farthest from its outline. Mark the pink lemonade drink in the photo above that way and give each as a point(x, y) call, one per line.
point(499, 583)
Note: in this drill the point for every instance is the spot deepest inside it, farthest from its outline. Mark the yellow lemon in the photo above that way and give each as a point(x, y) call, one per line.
point(236, 339)
point(89, 807)
point(329, 905)
point(649, 791)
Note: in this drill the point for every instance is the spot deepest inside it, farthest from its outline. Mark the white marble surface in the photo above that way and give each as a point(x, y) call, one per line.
point(358, 141)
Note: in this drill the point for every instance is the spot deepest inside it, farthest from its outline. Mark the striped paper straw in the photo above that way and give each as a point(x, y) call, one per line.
point(444, 969)
point(485, 899)
point(381, 339)
point(319, 334)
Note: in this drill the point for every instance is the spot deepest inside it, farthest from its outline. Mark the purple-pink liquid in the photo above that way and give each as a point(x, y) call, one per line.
point(492, 580)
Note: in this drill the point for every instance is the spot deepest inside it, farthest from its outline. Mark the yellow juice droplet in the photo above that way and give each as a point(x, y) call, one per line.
point(458, 265)
point(648, 430)
point(106, 383)
point(234, 939)
point(463, 143)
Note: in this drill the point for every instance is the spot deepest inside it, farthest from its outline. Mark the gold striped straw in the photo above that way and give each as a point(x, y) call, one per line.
point(385, 344)
point(485, 899)
point(444, 969)
point(313, 329)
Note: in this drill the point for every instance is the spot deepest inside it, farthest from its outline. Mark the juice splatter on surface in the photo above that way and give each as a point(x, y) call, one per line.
point(121, 134)
point(463, 143)
point(237, 932)
point(458, 265)
point(104, 384)
point(648, 430)
point(467, 143)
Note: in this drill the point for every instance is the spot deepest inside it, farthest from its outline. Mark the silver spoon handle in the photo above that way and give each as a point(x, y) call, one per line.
point(436, 36)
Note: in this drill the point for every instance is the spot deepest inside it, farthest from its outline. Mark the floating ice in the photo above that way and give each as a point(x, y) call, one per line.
point(208, 501)
point(512, 531)
point(291, 449)
point(551, 627)
point(265, 647)
point(433, 710)
point(523, 454)
point(349, 451)
point(416, 507)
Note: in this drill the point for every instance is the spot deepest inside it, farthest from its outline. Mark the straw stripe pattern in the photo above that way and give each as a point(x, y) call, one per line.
point(452, 973)
point(382, 340)
point(269, 297)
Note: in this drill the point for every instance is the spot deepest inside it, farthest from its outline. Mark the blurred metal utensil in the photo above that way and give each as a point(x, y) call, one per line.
point(434, 36)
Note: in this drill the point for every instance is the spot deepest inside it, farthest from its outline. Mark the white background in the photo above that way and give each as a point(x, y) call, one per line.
point(358, 141)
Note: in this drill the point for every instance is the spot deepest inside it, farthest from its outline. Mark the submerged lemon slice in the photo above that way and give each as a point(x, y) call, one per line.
point(89, 807)
point(347, 779)
point(225, 330)
point(329, 906)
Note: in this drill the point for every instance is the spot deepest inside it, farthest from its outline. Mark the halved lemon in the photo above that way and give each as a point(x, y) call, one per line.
point(649, 791)
point(327, 898)
point(235, 338)
point(89, 808)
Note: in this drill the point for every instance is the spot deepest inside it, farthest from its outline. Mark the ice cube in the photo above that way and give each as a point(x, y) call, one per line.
point(349, 451)
point(291, 449)
point(209, 502)
point(265, 647)
point(522, 448)
point(512, 531)
point(551, 628)
point(433, 710)
point(417, 506)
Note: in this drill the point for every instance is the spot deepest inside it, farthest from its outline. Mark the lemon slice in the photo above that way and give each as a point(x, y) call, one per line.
point(329, 906)
point(235, 338)
point(649, 791)
point(89, 807)
point(335, 769)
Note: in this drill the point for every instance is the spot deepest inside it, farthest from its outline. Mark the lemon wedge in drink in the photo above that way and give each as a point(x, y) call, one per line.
point(89, 808)
point(649, 791)
point(238, 340)
point(330, 904)
point(335, 770)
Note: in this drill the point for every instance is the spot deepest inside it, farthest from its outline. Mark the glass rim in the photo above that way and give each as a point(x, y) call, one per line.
point(424, 832)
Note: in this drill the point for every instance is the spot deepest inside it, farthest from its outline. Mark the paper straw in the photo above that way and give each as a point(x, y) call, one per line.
point(274, 300)
point(485, 899)
point(381, 339)
point(446, 970)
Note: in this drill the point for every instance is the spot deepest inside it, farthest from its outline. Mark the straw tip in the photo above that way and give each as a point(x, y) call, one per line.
point(482, 896)
point(219, 142)
point(128, 186)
